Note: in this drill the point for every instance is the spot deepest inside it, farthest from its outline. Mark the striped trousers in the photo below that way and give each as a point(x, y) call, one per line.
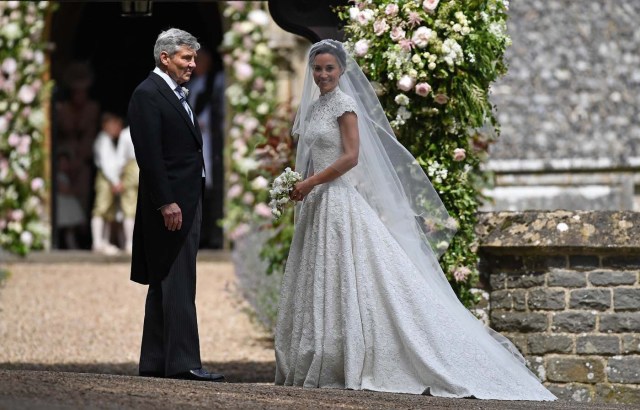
point(170, 342)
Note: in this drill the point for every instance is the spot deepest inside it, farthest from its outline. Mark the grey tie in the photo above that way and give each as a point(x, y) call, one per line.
point(183, 101)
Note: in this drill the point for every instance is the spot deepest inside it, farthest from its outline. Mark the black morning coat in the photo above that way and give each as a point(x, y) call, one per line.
point(168, 149)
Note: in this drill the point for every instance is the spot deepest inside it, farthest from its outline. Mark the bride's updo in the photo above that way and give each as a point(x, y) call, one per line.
point(332, 47)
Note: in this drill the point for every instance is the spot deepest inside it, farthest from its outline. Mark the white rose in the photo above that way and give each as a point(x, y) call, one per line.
point(243, 71)
point(258, 17)
point(365, 16)
point(361, 48)
point(406, 83)
point(259, 182)
point(353, 13)
point(430, 5)
point(401, 99)
point(422, 36)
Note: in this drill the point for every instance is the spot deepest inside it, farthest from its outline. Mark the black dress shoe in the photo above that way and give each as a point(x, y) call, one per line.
point(150, 374)
point(199, 375)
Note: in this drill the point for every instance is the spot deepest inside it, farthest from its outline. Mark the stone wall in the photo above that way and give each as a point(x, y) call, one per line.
point(564, 287)
point(569, 107)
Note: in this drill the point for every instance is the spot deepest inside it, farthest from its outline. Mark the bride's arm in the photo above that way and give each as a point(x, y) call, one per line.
point(348, 123)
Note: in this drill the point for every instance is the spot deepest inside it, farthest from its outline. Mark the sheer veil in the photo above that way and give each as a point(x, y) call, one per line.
point(394, 185)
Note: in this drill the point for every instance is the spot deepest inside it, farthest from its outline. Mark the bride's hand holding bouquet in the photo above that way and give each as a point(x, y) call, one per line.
point(281, 191)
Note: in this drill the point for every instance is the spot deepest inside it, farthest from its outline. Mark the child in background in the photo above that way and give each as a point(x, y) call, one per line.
point(108, 185)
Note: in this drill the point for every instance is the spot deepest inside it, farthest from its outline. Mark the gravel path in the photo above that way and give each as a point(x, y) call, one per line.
point(70, 338)
point(88, 317)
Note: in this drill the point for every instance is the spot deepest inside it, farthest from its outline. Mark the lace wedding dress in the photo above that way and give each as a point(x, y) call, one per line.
point(355, 314)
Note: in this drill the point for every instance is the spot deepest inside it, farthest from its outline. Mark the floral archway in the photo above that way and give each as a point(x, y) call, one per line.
point(431, 63)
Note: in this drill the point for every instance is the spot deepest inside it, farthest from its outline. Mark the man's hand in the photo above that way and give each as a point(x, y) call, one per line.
point(172, 215)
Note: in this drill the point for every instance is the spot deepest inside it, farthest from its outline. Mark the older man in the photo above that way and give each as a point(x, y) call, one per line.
point(168, 148)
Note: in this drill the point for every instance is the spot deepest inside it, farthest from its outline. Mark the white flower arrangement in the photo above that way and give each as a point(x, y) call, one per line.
point(280, 190)
point(185, 90)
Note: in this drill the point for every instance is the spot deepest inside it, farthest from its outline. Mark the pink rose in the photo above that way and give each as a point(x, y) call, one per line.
point(361, 48)
point(441, 99)
point(423, 89)
point(459, 154)
point(243, 71)
point(405, 44)
point(391, 9)
point(397, 34)
point(263, 210)
point(248, 198)
point(430, 5)
point(461, 273)
point(380, 27)
point(26, 94)
point(13, 140)
point(37, 184)
point(406, 83)
point(16, 215)
point(234, 191)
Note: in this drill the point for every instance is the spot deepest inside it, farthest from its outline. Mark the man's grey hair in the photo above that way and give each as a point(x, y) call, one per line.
point(170, 42)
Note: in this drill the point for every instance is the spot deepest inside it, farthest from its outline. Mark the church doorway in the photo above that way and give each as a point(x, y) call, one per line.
point(98, 58)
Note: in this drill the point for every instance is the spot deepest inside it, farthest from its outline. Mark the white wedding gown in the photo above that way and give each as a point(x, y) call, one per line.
point(354, 313)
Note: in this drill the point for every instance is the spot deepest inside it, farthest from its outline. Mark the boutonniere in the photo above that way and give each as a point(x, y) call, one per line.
point(185, 90)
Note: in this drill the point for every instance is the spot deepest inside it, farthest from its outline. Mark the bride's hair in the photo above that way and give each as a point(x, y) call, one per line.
point(329, 47)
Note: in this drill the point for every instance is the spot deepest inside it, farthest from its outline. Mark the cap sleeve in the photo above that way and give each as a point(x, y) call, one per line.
point(345, 104)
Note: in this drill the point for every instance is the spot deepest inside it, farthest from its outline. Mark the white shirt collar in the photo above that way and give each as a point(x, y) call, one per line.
point(166, 78)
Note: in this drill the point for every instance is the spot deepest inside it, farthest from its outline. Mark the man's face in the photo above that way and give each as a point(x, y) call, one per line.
point(180, 65)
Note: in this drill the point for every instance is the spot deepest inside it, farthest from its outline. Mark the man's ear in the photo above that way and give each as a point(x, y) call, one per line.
point(164, 57)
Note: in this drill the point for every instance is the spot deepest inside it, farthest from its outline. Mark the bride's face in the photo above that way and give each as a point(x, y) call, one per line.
point(326, 72)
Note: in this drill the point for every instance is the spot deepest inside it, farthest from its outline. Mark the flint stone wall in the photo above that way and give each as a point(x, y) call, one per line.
point(564, 287)
point(569, 107)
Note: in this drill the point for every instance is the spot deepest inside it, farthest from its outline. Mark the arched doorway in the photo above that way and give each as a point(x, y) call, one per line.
point(118, 51)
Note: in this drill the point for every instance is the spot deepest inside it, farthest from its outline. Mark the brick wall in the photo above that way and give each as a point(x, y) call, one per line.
point(565, 288)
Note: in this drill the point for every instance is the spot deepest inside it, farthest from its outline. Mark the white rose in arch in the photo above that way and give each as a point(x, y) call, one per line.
point(26, 238)
point(361, 48)
point(406, 83)
point(258, 17)
point(422, 36)
point(243, 71)
point(259, 182)
point(430, 5)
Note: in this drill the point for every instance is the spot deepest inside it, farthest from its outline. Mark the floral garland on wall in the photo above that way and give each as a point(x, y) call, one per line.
point(22, 121)
point(259, 147)
point(432, 63)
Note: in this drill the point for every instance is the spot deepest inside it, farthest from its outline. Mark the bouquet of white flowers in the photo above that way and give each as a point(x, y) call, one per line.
point(280, 190)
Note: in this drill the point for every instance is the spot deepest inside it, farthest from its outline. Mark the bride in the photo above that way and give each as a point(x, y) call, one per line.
point(364, 303)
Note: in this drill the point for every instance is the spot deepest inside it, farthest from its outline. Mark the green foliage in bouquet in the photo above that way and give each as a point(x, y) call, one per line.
point(23, 93)
point(431, 64)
